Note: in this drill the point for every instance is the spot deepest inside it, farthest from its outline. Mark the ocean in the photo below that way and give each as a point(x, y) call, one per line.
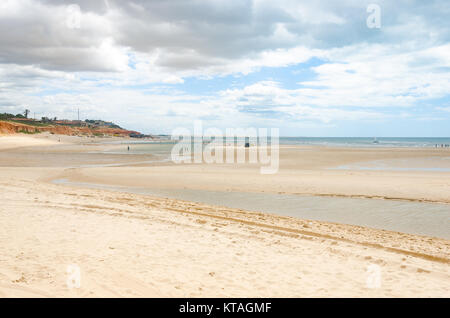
point(415, 142)
point(368, 142)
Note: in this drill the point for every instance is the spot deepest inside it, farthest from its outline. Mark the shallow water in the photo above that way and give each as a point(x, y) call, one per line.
point(162, 153)
point(408, 142)
point(430, 219)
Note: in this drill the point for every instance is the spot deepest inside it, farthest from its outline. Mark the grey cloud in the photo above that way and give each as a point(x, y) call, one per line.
point(196, 34)
point(227, 29)
point(38, 35)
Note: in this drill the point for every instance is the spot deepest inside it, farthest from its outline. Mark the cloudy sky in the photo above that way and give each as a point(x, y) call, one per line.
point(311, 68)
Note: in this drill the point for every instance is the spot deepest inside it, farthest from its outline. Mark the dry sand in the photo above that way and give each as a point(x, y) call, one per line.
point(18, 141)
point(136, 245)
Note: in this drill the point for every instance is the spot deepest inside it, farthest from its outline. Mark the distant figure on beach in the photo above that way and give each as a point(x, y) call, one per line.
point(128, 148)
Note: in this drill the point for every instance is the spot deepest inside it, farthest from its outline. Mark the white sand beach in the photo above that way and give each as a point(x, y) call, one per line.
point(133, 245)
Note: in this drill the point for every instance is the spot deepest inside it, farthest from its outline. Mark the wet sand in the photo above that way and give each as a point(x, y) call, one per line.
point(422, 218)
point(138, 245)
point(303, 170)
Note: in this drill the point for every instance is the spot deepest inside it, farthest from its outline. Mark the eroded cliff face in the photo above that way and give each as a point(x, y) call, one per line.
point(7, 128)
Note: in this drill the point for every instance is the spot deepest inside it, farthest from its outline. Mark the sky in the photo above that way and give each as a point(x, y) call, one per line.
point(309, 68)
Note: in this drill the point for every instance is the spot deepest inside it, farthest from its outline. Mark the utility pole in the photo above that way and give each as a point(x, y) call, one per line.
point(78, 114)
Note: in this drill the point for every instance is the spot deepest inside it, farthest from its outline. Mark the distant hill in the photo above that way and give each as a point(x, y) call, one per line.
point(12, 124)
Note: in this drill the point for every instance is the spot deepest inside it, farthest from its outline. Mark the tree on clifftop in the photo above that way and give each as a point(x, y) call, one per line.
point(26, 112)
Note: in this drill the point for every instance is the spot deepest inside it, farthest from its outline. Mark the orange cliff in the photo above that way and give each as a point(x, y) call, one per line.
point(7, 127)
